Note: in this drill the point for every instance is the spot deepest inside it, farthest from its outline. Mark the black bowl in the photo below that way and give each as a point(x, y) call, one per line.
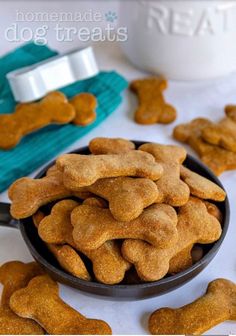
point(129, 291)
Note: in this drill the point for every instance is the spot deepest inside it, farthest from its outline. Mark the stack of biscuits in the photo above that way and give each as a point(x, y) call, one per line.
point(215, 143)
point(138, 214)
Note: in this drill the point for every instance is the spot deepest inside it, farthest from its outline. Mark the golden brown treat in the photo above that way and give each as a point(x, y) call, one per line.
point(84, 170)
point(40, 301)
point(202, 187)
point(66, 256)
point(96, 201)
point(216, 158)
point(108, 264)
point(172, 190)
point(28, 195)
point(216, 306)
point(222, 134)
point(152, 106)
point(56, 228)
point(13, 276)
point(94, 226)
point(181, 261)
point(110, 146)
point(127, 196)
point(27, 118)
point(85, 108)
point(195, 225)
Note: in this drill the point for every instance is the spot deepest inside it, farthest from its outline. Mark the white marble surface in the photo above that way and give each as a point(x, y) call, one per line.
point(191, 100)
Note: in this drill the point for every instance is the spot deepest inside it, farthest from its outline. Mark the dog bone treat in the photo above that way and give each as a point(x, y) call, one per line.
point(216, 306)
point(127, 196)
point(27, 118)
point(66, 256)
point(202, 187)
point(13, 276)
point(56, 228)
point(222, 134)
point(94, 226)
point(173, 191)
point(216, 158)
point(195, 225)
point(28, 195)
point(40, 301)
point(96, 201)
point(181, 261)
point(85, 108)
point(110, 146)
point(84, 170)
point(152, 106)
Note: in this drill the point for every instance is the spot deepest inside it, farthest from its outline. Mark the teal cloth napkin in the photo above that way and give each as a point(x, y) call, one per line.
point(38, 148)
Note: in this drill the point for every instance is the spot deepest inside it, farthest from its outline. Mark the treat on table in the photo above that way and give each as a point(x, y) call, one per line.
point(29, 117)
point(213, 143)
point(85, 108)
point(15, 275)
point(215, 306)
point(122, 209)
point(152, 105)
point(40, 301)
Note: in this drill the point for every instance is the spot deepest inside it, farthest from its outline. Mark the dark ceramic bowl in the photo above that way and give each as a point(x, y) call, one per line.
point(129, 291)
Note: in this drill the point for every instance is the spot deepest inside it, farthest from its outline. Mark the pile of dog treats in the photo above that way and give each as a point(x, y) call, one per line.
point(215, 143)
point(30, 305)
point(123, 208)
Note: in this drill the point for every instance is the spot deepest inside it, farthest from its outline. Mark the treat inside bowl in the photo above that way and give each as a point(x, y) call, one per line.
point(108, 203)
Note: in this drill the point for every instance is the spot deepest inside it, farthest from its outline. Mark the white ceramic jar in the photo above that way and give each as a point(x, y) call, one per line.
point(181, 39)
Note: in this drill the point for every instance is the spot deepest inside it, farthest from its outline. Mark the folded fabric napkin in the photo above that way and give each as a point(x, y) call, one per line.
point(39, 147)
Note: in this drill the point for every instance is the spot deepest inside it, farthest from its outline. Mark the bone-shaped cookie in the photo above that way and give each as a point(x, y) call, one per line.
point(110, 146)
point(152, 106)
point(28, 195)
point(66, 256)
point(27, 118)
point(13, 276)
point(40, 301)
point(216, 158)
point(94, 226)
point(216, 306)
point(172, 190)
point(108, 264)
point(84, 170)
point(222, 134)
point(202, 187)
point(127, 196)
point(85, 108)
point(195, 225)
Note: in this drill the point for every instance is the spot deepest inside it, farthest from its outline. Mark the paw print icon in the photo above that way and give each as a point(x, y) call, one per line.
point(111, 16)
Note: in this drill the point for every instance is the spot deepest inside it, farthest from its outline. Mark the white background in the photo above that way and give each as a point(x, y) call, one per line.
point(191, 100)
